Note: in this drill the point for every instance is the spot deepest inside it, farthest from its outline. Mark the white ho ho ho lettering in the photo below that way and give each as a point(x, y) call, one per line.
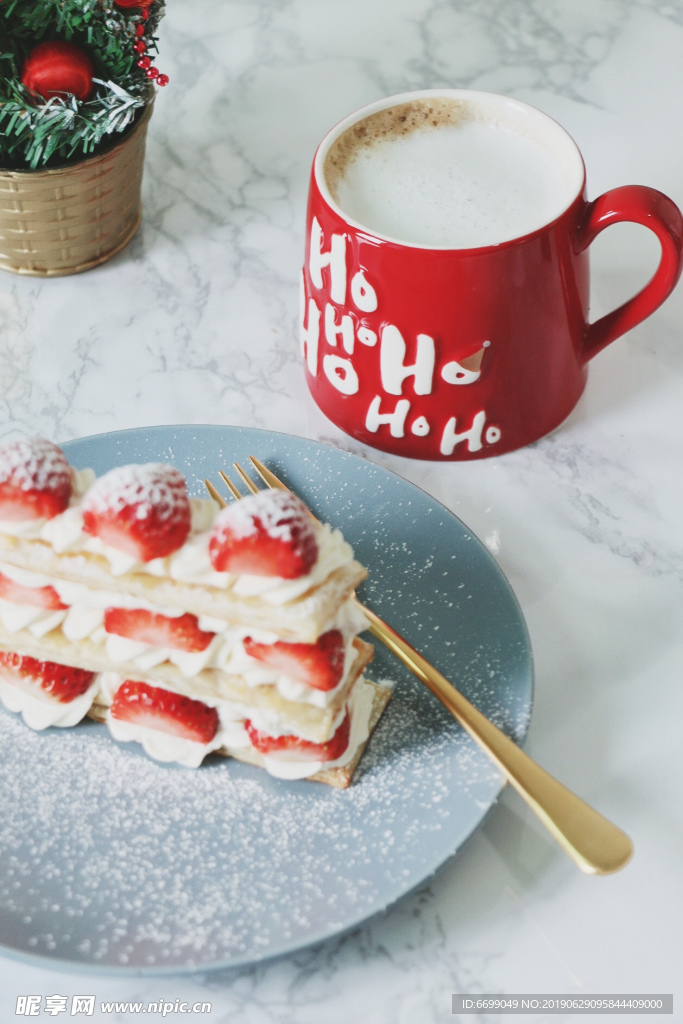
point(344, 328)
point(310, 334)
point(334, 258)
point(363, 294)
point(341, 374)
point(396, 420)
point(450, 438)
point(394, 370)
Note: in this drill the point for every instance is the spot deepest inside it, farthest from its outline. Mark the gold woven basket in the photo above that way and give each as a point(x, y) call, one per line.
point(68, 219)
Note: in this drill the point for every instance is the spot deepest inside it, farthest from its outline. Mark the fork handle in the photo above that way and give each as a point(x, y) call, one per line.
point(596, 845)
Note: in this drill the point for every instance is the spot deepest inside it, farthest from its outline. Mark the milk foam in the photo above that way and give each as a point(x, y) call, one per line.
point(461, 181)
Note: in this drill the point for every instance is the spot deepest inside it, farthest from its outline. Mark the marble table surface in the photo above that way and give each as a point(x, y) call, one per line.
point(197, 321)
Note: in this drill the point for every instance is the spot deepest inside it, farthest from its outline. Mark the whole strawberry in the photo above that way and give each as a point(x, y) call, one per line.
point(142, 510)
point(266, 534)
point(35, 480)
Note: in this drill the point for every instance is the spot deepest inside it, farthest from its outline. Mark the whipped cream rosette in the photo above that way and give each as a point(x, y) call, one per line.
point(186, 629)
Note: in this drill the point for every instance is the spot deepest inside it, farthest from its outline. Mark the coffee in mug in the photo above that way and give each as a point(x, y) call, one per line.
point(440, 172)
point(445, 285)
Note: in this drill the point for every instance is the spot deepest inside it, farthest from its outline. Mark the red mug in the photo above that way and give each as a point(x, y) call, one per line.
point(441, 347)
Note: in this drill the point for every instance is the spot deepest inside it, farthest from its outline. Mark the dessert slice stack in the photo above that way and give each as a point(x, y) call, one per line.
point(183, 628)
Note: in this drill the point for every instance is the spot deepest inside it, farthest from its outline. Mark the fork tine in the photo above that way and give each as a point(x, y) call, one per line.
point(214, 494)
point(266, 475)
point(271, 480)
point(229, 484)
point(246, 479)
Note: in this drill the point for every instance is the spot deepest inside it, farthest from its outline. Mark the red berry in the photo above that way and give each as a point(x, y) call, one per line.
point(144, 62)
point(62, 682)
point(140, 46)
point(139, 30)
point(142, 510)
point(163, 80)
point(319, 665)
point(152, 72)
point(39, 597)
point(155, 708)
point(181, 633)
point(35, 480)
point(58, 69)
point(266, 534)
point(297, 749)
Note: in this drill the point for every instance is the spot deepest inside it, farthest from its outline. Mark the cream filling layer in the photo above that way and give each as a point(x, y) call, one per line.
point(84, 618)
point(162, 746)
point(265, 719)
point(360, 708)
point(38, 621)
point(39, 710)
point(191, 563)
point(233, 736)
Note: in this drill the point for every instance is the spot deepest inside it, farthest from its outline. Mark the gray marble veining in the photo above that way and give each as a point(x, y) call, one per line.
point(197, 321)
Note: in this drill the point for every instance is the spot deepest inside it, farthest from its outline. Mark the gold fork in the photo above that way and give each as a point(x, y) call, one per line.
point(596, 845)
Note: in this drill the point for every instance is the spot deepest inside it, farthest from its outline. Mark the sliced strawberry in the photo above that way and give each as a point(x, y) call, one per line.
point(62, 682)
point(319, 665)
point(35, 480)
point(266, 534)
point(181, 633)
point(296, 749)
point(40, 597)
point(142, 510)
point(155, 708)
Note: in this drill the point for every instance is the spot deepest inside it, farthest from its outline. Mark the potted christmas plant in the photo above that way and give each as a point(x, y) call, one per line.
point(76, 92)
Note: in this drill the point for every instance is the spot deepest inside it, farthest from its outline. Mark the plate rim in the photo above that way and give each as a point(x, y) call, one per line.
point(72, 966)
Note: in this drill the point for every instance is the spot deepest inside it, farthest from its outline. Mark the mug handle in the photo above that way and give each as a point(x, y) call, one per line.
point(654, 210)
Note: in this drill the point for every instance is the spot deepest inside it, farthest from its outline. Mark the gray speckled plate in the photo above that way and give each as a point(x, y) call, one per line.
point(111, 862)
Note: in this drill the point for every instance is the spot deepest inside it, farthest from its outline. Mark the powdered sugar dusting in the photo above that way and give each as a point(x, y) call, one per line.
point(108, 858)
point(34, 464)
point(151, 488)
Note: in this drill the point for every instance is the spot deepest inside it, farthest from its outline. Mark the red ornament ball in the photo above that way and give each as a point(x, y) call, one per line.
point(58, 69)
point(162, 80)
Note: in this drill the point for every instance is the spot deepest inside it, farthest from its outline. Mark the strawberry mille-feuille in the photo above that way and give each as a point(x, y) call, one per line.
point(185, 628)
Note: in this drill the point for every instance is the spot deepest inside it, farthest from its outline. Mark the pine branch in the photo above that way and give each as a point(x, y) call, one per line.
point(65, 128)
point(34, 132)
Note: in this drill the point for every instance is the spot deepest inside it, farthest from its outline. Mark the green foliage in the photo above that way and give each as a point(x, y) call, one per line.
point(35, 132)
